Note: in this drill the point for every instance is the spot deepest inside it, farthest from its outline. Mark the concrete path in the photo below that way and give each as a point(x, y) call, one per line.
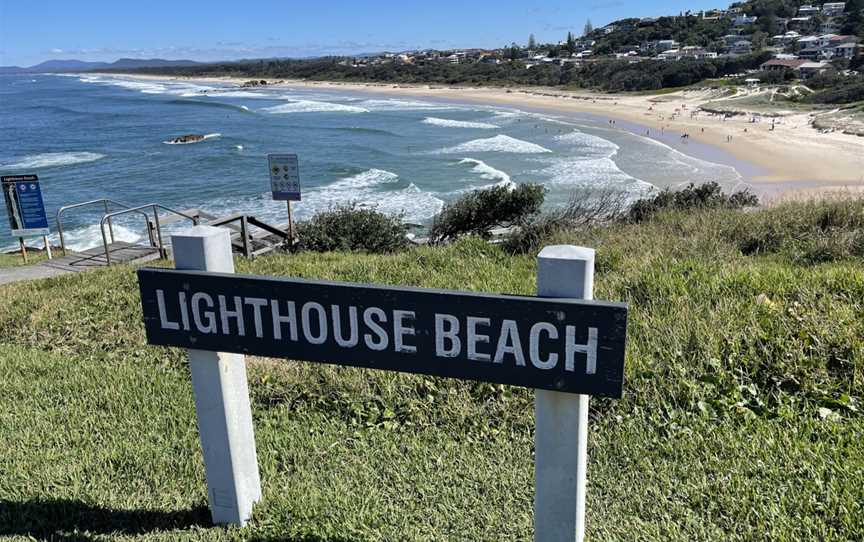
point(29, 272)
point(78, 262)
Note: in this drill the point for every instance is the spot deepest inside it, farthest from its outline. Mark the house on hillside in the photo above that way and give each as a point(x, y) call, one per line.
point(742, 20)
point(799, 22)
point(844, 50)
point(808, 11)
point(740, 47)
point(665, 45)
point(833, 9)
point(801, 68)
point(785, 39)
point(809, 69)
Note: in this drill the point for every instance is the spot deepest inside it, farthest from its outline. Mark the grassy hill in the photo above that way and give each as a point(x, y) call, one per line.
point(741, 418)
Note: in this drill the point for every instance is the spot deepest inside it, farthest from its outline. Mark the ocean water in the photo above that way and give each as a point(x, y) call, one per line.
point(95, 136)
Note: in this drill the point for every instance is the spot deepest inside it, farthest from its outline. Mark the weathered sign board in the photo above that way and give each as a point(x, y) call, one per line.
point(24, 205)
point(563, 345)
point(284, 177)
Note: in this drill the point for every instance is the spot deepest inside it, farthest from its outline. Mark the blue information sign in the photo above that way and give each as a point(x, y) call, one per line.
point(24, 205)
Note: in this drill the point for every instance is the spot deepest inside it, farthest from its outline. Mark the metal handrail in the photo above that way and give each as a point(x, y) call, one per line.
point(103, 201)
point(155, 207)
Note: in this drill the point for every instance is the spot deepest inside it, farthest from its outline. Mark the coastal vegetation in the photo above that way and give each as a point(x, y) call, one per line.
point(352, 227)
point(479, 211)
point(741, 417)
point(631, 54)
point(609, 75)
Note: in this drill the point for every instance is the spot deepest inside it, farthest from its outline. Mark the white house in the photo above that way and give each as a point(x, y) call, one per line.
point(833, 9)
point(665, 45)
point(844, 50)
point(808, 10)
point(742, 20)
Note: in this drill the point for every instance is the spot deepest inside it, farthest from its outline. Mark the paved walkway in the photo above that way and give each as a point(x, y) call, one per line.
point(77, 262)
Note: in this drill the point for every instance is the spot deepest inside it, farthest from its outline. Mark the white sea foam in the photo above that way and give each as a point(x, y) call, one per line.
point(499, 143)
point(369, 188)
point(375, 188)
point(91, 236)
point(404, 105)
point(488, 172)
point(450, 123)
point(592, 174)
point(150, 86)
point(53, 159)
point(679, 164)
point(310, 106)
point(590, 146)
point(238, 94)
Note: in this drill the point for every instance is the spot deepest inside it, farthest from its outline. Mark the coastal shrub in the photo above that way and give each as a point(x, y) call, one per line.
point(704, 196)
point(850, 89)
point(809, 232)
point(584, 209)
point(354, 228)
point(479, 211)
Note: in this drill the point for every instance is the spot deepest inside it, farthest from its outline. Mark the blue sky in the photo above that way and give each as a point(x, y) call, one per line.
point(35, 30)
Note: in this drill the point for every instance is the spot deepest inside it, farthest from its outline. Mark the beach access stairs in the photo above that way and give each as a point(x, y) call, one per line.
point(250, 236)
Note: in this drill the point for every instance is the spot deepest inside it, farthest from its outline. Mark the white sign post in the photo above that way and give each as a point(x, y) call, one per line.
point(561, 432)
point(221, 395)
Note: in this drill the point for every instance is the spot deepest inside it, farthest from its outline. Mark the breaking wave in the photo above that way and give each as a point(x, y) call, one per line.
point(588, 173)
point(53, 159)
point(450, 123)
point(376, 188)
point(404, 105)
point(488, 172)
point(310, 106)
point(499, 143)
point(203, 103)
point(591, 146)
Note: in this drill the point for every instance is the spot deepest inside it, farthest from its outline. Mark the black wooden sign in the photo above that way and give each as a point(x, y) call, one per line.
point(556, 344)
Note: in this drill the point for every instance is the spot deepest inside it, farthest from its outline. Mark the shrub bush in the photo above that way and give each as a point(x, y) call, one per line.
point(351, 227)
point(585, 208)
point(705, 196)
point(481, 210)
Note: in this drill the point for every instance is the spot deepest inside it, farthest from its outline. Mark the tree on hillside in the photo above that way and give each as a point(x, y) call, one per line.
point(571, 43)
point(532, 42)
point(513, 52)
point(588, 28)
point(759, 40)
point(854, 18)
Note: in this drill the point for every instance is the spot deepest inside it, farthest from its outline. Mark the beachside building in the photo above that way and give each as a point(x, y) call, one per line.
point(740, 47)
point(666, 45)
point(799, 22)
point(844, 50)
point(777, 64)
point(801, 68)
point(742, 20)
point(809, 69)
point(785, 39)
point(833, 9)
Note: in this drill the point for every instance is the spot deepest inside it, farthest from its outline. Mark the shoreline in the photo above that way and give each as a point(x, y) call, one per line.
point(793, 156)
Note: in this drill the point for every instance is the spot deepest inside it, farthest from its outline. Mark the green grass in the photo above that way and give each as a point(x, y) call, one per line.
point(740, 421)
point(15, 260)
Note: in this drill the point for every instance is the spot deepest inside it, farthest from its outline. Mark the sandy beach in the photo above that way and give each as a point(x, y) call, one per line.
point(788, 153)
